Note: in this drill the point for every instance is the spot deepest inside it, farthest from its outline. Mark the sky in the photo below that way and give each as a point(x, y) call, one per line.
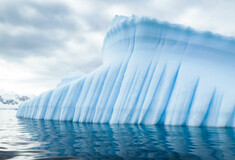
point(43, 41)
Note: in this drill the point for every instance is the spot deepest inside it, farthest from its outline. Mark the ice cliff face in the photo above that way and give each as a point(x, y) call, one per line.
point(152, 73)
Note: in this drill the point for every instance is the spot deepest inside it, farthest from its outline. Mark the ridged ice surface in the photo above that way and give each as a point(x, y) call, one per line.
point(152, 73)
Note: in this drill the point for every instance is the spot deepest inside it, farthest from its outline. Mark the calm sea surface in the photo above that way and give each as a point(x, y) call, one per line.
point(38, 139)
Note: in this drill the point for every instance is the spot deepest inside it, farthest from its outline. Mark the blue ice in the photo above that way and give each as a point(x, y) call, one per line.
point(153, 73)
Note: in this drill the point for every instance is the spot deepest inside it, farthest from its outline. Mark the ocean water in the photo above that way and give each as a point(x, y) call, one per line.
point(39, 139)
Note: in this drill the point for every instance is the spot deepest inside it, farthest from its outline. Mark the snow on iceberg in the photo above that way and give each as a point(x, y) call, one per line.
point(71, 77)
point(153, 73)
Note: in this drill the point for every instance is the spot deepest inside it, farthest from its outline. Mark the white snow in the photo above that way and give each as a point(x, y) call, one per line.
point(11, 100)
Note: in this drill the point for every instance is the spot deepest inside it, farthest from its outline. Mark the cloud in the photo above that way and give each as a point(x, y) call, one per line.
point(38, 15)
point(42, 40)
point(33, 29)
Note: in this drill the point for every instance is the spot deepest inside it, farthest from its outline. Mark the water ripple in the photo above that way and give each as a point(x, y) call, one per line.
point(38, 139)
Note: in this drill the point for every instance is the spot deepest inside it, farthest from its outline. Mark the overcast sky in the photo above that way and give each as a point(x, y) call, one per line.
point(41, 41)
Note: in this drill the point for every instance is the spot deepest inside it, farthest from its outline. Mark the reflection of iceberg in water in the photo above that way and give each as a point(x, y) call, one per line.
point(152, 73)
point(91, 141)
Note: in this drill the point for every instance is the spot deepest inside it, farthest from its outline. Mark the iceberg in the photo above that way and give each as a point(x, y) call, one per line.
point(153, 73)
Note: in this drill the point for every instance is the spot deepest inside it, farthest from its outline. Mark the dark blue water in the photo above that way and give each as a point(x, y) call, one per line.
point(38, 139)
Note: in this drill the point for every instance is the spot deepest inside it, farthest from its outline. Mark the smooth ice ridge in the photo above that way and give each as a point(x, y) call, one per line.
point(153, 73)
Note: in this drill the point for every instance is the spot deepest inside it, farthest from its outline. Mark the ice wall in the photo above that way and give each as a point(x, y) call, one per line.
point(153, 73)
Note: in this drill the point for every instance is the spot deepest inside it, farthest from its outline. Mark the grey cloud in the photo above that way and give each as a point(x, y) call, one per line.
point(23, 45)
point(50, 16)
point(53, 19)
point(127, 2)
point(97, 23)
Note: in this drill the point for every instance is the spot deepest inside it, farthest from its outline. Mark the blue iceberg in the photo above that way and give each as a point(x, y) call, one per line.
point(153, 73)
